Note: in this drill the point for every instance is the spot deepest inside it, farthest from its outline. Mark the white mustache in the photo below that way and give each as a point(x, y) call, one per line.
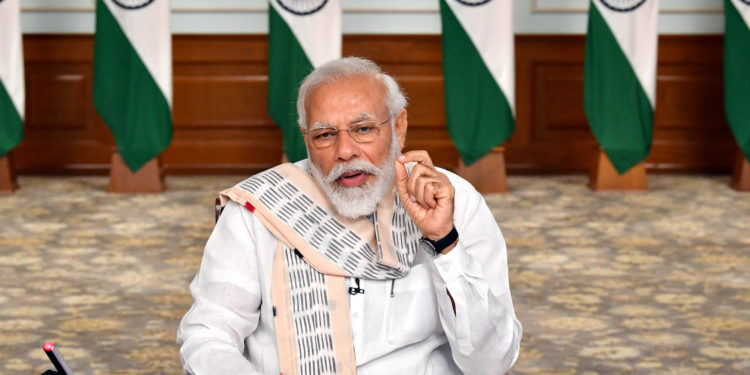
point(356, 165)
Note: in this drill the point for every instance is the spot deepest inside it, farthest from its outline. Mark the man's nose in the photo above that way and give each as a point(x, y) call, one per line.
point(346, 147)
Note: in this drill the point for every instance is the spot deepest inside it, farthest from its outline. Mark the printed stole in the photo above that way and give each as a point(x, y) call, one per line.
point(317, 250)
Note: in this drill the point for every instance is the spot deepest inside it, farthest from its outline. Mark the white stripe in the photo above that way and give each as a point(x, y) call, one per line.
point(148, 30)
point(11, 54)
point(636, 32)
point(743, 9)
point(490, 28)
point(319, 33)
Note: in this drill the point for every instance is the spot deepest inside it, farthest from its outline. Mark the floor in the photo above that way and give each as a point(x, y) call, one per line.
point(604, 283)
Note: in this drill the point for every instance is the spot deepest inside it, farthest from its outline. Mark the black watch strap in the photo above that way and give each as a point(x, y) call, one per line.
point(444, 242)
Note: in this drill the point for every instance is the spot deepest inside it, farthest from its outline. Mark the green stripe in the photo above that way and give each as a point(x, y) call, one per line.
point(737, 76)
point(616, 105)
point(11, 124)
point(478, 114)
point(287, 67)
point(127, 96)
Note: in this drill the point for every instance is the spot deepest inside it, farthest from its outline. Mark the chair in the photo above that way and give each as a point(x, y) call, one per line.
point(219, 208)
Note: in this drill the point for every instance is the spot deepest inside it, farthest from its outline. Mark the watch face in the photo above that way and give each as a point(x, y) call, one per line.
point(427, 247)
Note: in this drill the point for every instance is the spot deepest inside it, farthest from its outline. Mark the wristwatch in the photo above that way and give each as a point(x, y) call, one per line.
point(436, 247)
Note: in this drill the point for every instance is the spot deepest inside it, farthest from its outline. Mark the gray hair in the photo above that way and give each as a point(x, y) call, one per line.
point(347, 67)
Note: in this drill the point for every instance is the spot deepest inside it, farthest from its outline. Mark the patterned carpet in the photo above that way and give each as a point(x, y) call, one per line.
point(654, 283)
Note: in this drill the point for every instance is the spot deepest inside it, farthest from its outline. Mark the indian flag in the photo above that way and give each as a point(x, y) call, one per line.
point(11, 77)
point(619, 89)
point(478, 73)
point(302, 35)
point(133, 76)
point(737, 71)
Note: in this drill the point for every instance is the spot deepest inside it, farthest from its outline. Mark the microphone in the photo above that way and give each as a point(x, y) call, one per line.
point(57, 359)
point(354, 291)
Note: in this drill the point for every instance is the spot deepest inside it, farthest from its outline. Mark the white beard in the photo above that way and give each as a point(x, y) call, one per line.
point(355, 202)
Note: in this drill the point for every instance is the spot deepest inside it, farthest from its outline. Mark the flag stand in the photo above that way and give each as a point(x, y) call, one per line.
point(8, 183)
point(488, 173)
point(604, 176)
point(148, 179)
point(741, 174)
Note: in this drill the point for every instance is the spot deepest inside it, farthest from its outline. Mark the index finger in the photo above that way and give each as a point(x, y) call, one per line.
point(402, 177)
point(419, 156)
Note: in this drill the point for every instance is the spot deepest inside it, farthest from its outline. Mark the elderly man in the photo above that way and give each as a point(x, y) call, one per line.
point(356, 260)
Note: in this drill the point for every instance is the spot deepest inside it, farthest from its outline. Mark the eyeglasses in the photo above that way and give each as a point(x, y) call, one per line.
point(361, 132)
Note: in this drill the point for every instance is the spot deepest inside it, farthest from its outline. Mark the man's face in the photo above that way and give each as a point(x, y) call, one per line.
point(341, 104)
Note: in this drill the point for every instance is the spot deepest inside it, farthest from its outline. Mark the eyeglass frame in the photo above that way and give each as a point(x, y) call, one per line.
point(348, 130)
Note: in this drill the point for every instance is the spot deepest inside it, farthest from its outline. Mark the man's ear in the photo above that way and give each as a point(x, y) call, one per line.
point(302, 131)
point(401, 124)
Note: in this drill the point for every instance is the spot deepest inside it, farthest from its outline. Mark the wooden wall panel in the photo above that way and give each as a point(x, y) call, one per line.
point(62, 133)
point(690, 130)
point(220, 119)
point(552, 134)
point(47, 111)
point(221, 124)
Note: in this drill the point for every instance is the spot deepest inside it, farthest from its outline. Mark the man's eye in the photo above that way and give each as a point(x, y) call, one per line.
point(364, 129)
point(323, 134)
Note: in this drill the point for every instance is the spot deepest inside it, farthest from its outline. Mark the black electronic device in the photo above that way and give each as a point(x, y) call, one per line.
point(57, 360)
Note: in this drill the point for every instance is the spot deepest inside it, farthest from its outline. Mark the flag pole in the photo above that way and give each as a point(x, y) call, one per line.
point(148, 179)
point(741, 174)
point(488, 173)
point(8, 183)
point(604, 176)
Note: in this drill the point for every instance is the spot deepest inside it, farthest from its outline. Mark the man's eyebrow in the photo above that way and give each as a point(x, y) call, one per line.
point(364, 116)
point(319, 125)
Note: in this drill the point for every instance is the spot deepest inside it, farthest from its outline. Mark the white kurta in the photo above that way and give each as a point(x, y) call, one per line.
point(402, 327)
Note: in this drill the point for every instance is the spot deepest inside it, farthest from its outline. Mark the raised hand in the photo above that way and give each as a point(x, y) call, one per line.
point(427, 195)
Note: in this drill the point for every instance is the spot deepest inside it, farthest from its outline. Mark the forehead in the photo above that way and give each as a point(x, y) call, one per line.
point(346, 99)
